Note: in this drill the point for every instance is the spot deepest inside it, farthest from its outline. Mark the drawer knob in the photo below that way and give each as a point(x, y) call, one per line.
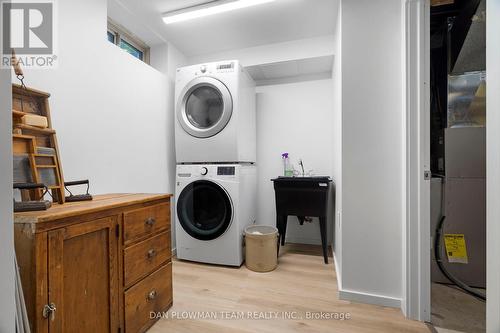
point(151, 253)
point(150, 222)
point(152, 295)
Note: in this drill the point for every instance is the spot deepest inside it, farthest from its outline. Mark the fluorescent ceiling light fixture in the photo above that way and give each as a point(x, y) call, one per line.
point(210, 8)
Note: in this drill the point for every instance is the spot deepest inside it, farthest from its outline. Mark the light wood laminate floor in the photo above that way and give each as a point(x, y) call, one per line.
point(301, 284)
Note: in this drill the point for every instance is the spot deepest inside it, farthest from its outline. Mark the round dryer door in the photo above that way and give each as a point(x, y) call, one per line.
point(204, 210)
point(205, 107)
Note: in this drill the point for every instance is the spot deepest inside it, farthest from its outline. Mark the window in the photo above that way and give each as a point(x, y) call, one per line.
point(111, 37)
point(127, 41)
point(131, 49)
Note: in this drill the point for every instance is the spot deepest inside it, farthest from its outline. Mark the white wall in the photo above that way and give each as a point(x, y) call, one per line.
point(337, 144)
point(270, 53)
point(294, 118)
point(7, 308)
point(372, 152)
point(493, 166)
point(175, 60)
point(109, 109)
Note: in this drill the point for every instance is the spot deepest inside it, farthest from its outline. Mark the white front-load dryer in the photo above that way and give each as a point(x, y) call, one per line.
point(215, 114)
point(214, 205)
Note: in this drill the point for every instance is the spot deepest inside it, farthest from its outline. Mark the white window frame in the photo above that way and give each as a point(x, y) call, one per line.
point(122, 33)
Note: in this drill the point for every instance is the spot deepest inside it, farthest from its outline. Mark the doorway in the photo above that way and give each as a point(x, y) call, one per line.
point(446, 163)
point(458, 164)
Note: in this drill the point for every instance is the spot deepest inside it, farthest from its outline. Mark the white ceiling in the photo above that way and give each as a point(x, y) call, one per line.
point(279, 21)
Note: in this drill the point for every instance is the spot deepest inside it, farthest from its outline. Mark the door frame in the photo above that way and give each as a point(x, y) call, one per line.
point(416, 302)
point(492, 166)
point(417, 238)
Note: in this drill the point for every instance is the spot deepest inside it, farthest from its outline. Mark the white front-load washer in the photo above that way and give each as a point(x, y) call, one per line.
point(215, 114)
point(214, 205)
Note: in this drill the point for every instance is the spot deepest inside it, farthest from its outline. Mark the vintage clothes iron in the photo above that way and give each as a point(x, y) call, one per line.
point(32, 205)
point(78, 197)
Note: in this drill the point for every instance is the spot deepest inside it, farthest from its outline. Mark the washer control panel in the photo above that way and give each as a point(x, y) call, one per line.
point(208, 170)
point(225, 171)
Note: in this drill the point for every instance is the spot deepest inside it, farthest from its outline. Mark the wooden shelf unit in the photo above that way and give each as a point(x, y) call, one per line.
point(35, 102)
point(47, 131)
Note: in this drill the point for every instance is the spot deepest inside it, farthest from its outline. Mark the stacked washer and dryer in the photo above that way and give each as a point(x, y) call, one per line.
point(215, 140)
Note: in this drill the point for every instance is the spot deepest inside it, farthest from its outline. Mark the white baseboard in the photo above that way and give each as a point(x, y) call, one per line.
point(359, 297)
point(337, 271)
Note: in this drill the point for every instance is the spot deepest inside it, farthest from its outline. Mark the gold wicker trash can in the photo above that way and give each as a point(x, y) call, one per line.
point(261, 251)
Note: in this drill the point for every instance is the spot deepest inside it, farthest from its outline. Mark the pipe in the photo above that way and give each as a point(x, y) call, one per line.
point(451, 277)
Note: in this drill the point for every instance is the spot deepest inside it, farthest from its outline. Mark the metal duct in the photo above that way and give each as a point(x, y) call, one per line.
point(467, 100)
point(472, 55)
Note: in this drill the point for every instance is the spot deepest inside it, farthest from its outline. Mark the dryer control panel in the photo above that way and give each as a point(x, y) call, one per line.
point(225, 67)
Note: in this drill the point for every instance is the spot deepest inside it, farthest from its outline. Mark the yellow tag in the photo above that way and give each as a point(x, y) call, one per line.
point(456, 250)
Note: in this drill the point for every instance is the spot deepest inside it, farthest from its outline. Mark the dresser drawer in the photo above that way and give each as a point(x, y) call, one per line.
point(153, 294)
point(143, 258)
point(145, 221)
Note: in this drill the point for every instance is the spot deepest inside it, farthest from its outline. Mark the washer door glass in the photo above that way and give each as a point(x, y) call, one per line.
point(205, 107)
point(204, 210)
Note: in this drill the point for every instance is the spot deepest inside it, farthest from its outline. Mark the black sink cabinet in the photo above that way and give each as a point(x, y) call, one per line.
point(301, 197)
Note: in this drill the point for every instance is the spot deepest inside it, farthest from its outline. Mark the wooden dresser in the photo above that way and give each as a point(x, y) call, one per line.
point(96, 266)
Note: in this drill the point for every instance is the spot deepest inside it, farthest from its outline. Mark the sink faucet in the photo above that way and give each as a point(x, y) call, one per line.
point(301, 164)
